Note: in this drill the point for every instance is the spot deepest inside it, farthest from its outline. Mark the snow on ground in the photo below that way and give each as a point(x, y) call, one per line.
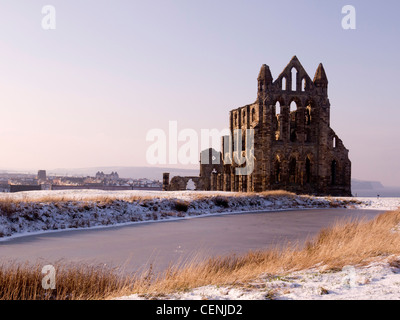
point(378, 280)
point(35, 212)
point(373, 203)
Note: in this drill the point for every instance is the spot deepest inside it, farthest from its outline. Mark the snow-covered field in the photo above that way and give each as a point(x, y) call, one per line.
point(49, 211)
point(378, 280)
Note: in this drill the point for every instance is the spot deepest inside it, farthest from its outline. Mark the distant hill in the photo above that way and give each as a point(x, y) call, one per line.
point(366, 185)
point(372, 189)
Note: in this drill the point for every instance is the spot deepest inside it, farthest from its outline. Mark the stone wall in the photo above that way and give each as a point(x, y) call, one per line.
point(179, 183)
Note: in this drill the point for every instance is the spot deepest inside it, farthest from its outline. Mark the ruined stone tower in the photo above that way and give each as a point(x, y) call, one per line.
point(295, 148)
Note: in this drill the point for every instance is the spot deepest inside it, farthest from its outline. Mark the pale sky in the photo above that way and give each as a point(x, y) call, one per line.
point(87, 93)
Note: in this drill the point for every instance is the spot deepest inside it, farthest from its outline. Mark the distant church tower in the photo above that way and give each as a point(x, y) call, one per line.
point(42, 175)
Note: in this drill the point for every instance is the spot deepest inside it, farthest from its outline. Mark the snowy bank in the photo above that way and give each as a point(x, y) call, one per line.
point(43, 211)
point(377, 280)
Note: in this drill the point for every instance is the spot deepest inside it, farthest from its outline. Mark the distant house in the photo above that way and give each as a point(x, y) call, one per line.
point(113, 176)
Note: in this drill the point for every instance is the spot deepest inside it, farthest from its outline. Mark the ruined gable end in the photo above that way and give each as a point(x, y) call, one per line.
point(295, 148)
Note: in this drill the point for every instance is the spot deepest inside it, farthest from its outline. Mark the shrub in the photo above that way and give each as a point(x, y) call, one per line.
point(181, 206)
point(221, 202)
point(8, 208)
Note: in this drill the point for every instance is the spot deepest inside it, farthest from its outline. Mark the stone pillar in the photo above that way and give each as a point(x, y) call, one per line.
point(219, 182)
point(165, 186)
point(213, 185)
point(240, 183)
point(285, 123)
point(232, 179)
point(227, 181)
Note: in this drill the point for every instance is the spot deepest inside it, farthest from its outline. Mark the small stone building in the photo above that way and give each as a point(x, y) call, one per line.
point(295, 148)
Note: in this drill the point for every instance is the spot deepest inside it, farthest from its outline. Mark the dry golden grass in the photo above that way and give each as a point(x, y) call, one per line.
point(73, 282)
point(271, 193)
point(277, 193)
point(108, 198)
point(347, 242)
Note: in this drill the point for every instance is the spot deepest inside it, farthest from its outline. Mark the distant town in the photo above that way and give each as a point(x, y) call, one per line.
point(16, 182)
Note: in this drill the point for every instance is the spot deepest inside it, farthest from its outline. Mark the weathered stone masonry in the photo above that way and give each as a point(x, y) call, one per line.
point(295, 148)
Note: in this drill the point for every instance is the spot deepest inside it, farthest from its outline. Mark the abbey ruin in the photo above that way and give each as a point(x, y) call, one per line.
point(295, 148)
